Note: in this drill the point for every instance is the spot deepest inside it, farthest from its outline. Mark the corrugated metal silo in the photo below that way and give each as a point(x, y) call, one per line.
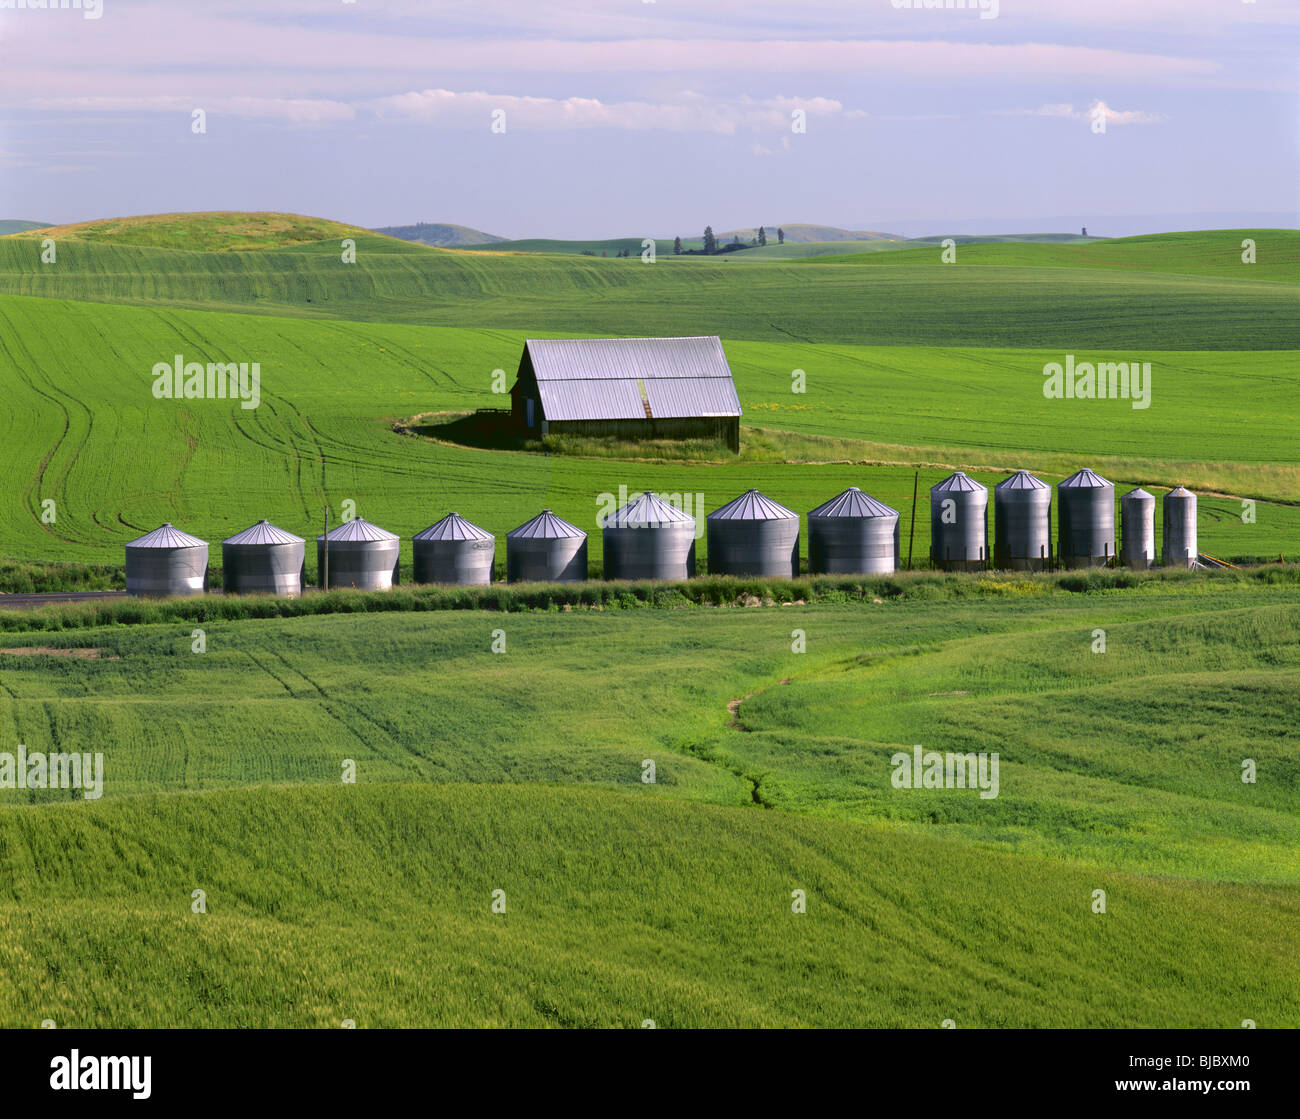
point(546, 550)
point(1178, 532)
point(263, 559)
point(1085, 507)
point(361, 555)
point(853, 534)
point(1137, 521)
point(166, 562)
point(453, 551)
point(959, 532)
point(649, 538)
point(753, 535)
point(1022, 523)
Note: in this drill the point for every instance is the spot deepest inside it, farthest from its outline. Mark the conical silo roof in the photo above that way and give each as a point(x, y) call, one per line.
point(1084, 479)
point(545, 526)
point(959, 481)
point(358, 529)
point(647, 509)
point(752, 506)
point(1137, 495)
point(1180, 491)
point(264, 532)
point(167, 536)
point(1022, 480)
point(453, 527)
point(853, 503)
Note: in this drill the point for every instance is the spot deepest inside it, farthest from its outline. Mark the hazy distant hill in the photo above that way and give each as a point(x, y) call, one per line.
point(800, 232)
point(443, 236)
point(8, 226)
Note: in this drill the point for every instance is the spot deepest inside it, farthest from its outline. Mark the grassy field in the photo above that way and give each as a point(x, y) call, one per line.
point(1197, 298)
point(81, 408)
point(668, 901)
point(522, 770)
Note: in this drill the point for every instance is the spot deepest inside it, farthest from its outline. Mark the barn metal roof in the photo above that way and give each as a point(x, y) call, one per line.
point(752, 506)
point(358, 529)
point(646, 510)
point(597, 378)
point(264, 532)
point(167, 536)
point(1022, 480)
point(453, 527)
point(545, 526)
point(958, 481)
point(1084, 479)
point(853, 503)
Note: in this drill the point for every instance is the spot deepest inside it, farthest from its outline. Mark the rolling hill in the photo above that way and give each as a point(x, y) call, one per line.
point(439, 235)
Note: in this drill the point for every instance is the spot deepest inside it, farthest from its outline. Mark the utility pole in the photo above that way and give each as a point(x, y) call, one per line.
point(325, 554)
point(911, 532)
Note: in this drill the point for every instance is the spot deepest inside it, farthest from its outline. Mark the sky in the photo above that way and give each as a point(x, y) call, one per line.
point(604, 118)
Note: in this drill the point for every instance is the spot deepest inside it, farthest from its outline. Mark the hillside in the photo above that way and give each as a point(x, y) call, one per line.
point(439, 235)
point(7, 227)
point(799, 232)
point(1159, 293)
point(210, 232)
point(628, 901)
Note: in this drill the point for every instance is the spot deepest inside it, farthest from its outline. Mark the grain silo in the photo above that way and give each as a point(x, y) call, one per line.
point(1137, 522)
point(853, 534)
point(959, 532)
point(361, 555)
point(1178, 530)
point(1022, 523)
point(753, 535)
point(263, 559)
point(1085, 509)
point(166, 562)
point(649, 538)
point(453, 551)
point(546, 550)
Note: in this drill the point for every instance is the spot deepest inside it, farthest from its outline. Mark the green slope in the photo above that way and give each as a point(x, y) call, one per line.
point(84, 430)
point(1030, 295)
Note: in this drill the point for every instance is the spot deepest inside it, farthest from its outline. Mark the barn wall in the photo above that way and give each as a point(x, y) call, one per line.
point(721, 428)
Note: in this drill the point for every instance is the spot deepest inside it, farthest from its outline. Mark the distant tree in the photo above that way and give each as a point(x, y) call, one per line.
point(1085, 231)
point(735, 239)
point(762, 235)
point(710, 242)
point(677, 246)
point(780, 236)
point(603, 253)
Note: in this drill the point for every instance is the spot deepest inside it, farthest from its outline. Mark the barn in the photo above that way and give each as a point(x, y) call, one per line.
point(629, 388)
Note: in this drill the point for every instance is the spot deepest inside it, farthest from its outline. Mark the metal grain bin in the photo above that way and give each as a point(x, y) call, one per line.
point(753, 535)
point(649, 538)
point(546, 550)
point(361, 555)
point(853, 534)
point(1085, 508)
point(1178, 534)
point(959, 524)
point(1022, 523)
point(166, 562)
point(1137, 519)
point(263, 559)
point(453, 551)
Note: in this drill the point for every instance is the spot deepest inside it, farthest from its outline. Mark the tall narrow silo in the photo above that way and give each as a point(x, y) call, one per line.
point(853, 534)
point(263, 559)
point(753, 535)
point(166, 562)
point(1085, 508)
point(1178, 535)
point(1022, 523)
point(1137, 519)
point(959, 533)
point(546, 549)
point(649, 538)
point(453, 551)
point(361, 555)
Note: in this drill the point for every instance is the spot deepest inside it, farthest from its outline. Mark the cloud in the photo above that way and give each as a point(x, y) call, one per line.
point(294, 110)
point(1069, 112)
